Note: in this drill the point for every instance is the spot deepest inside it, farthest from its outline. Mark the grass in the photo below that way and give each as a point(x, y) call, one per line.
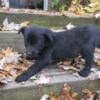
point(47, 21)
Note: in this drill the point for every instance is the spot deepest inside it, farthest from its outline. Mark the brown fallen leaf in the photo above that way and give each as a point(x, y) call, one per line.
point(8, 67)
point(65, 88)
point(69, 68)
point(1, 55)
point(67, 94)
point(74, 95)
point(12, 64)
point(4, 75)
point(97, 95)
point(97, 62)
point(5, 72)
point(87, 94)
point(24, 24)
point(7, 51)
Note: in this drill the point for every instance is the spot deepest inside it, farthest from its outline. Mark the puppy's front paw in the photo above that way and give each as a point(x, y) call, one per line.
point(21, 78)
point(84, 73)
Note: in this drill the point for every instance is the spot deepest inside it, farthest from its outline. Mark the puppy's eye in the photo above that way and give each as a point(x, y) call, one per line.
point(32, 40)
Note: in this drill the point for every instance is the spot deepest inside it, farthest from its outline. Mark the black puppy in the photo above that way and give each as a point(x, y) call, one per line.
point(47, 47)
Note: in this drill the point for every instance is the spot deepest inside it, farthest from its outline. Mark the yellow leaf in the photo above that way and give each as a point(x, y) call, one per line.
point(53, 96)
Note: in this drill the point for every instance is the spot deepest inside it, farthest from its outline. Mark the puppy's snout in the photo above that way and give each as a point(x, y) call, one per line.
point(31, 55)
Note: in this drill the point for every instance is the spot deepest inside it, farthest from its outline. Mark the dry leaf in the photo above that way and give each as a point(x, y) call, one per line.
point(53, 96)
point(97, 95)
point(1, 55)
point(11, 64)
point(7, 50)
point(87, 94)
point(24, 24)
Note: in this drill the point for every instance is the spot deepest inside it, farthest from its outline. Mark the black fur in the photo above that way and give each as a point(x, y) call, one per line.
point(48, 47)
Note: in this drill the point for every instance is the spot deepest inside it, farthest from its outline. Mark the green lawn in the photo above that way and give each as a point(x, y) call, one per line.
point(47, 21)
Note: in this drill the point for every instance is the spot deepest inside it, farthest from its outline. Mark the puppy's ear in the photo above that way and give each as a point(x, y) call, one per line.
point(22, 30)
point(49, 38)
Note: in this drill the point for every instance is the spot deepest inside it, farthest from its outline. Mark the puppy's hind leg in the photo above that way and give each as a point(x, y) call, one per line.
point(88, 56)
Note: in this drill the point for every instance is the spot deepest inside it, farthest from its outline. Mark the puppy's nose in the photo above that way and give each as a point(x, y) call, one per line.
point(29, 54)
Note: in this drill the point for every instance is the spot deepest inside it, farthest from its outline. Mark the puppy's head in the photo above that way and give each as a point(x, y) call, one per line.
point(36, 39)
